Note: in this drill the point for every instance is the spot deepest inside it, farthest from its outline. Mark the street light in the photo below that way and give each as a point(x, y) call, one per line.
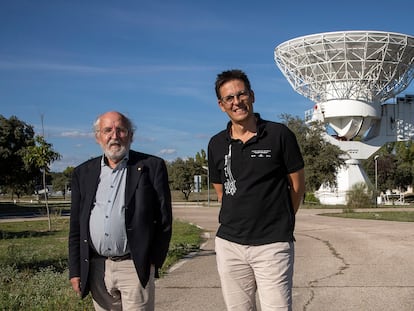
point(376, 179)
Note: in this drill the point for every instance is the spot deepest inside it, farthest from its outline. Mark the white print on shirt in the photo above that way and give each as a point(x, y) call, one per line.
point(261, 153)
point(230, 183)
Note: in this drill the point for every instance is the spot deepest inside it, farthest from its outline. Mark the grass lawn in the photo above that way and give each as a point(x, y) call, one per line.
point(33, 263)
point(380, 215)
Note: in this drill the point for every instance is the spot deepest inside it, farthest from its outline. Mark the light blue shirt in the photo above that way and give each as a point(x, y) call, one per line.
point(107, 221)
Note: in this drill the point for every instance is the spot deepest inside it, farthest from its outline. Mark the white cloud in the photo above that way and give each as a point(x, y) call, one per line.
point(167, 151)
point(76, 134)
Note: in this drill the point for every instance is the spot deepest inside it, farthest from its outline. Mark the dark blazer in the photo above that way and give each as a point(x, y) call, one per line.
point(148, 215)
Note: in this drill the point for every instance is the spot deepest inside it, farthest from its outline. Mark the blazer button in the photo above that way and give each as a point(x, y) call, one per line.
point(85, 241)
point(86, 260)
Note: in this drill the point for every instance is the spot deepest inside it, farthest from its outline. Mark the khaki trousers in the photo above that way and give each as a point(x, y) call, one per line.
point(244, 269)
point(115, 286)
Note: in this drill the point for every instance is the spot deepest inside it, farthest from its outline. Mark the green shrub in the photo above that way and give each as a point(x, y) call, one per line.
point(358, 197)
point(310, 198)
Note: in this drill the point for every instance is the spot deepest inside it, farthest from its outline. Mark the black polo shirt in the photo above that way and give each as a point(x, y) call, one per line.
point(256, 207)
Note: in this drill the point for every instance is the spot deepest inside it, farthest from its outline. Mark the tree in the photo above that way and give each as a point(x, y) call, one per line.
point(15, 138)
point(68, 172)
point(404, 151)
point(395, 166)
point(322, 159)
point(61, 180)
point(181, 174)
point(403, 176)
point(41, 155)
point(201, 158)
point(201, 166)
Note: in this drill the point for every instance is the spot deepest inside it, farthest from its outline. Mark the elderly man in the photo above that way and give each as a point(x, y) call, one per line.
point(121, 219)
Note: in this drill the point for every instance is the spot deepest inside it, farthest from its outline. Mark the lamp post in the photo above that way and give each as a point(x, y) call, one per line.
point(376, 179)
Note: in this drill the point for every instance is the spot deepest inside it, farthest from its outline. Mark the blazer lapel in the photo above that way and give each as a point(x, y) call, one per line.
point(134, 173)
point(92, 182)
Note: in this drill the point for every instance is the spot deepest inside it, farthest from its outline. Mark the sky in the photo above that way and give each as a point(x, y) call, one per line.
point(63, 63)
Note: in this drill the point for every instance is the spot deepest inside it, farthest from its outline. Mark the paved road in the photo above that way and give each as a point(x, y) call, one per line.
point(341, 264)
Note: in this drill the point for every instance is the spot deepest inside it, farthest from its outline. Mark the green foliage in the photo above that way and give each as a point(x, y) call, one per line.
point(46, 289)
point(33, 267)
point(181, 173)
point(395, 166)
point(358, 197)
point(201, 158)
point(68, 173)
point(40, 155)
point(322, 159)
point(310, 198)
point(61, 181)
point(387, 215)
point(186, 239)
point(403, 176)
point(15, 138)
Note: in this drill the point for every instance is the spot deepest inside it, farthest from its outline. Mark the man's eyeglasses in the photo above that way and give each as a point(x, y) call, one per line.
point(109, 131)
point(229, 99)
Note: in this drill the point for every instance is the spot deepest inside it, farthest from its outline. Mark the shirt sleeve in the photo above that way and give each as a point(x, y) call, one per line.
point(292, 154)
point(213, 169)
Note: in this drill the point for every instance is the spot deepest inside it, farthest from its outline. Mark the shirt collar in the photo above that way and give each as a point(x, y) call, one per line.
point(260, 123)
point(121, 164)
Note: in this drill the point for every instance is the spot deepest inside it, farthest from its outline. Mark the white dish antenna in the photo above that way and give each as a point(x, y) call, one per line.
point(348, 74)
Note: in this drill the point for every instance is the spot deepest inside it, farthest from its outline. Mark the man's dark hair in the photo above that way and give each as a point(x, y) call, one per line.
point(226, 76)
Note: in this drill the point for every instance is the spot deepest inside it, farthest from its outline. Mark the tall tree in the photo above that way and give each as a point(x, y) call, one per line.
point(181, 174)
point(15, 137)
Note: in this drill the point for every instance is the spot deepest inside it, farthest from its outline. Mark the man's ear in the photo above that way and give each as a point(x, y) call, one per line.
point(221, 106)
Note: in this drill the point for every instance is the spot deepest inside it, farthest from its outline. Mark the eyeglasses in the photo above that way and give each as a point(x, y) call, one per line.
point(109, 131)
point(229, 99)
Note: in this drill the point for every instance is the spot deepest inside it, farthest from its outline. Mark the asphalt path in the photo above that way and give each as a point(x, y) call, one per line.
point(340, 264)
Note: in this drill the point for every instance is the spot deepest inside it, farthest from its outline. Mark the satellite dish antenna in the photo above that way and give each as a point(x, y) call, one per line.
point(349, 75)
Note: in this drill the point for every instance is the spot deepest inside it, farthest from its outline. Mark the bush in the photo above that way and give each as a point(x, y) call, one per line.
point(358, 197)
point(311, 199)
